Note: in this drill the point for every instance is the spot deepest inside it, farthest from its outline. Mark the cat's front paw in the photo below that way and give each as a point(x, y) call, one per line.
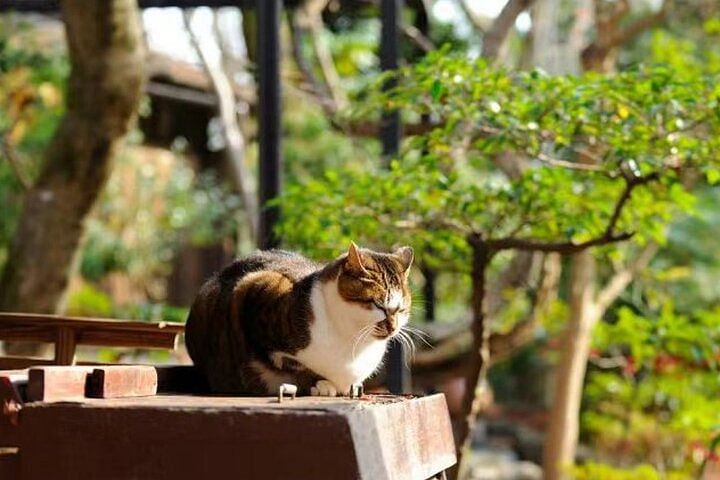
point(324, 388)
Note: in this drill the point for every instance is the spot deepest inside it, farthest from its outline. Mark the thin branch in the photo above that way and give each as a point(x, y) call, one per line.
point(456, 349)
point(639, 26)
point(495, 38)
point(564, 248)
point(617, 284)
point(609, 236)
point(12, 157)
point(308, 18)
point(504, 345)
point(234, 139)
point(610, 37)
point(556, 162)
point(319, 91)
point(481, 24)
point(417, 37)
point(630, 185)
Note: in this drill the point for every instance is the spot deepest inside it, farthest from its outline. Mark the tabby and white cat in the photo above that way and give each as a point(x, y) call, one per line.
point(276, 317)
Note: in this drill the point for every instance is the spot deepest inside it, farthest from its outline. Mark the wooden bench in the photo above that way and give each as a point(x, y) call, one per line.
point(69, 332)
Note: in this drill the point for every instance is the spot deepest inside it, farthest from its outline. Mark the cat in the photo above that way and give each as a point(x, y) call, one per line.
point(276, 317)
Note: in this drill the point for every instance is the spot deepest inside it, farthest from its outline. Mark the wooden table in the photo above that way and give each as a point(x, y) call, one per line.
point(198, 437)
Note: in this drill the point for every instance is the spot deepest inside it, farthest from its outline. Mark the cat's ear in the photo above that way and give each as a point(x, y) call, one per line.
point(354, 259)
point(406, 256)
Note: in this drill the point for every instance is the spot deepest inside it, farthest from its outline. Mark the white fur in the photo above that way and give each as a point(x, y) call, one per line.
point(335, 351)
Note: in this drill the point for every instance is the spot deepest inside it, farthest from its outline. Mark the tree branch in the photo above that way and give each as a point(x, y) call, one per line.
point(481, 24)
point(12, 157)
point(417, 37)
point(455, 350)
point(495, 37)
point(610, 37)
point(234, 139)
point(326, 62)
point(630, 185)
point(564, 248)
point(639, 26)
point(617, 284)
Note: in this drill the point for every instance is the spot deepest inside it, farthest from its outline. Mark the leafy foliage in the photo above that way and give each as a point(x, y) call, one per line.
point(140, 234)
point(30, 105)
point(662, 394)
point(582, 138)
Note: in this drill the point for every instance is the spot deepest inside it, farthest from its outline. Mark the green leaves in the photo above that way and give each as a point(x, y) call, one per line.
point(519, 154)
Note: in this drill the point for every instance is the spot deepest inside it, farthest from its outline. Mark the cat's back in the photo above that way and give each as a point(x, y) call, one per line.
point(259, 285)
point(291, 265)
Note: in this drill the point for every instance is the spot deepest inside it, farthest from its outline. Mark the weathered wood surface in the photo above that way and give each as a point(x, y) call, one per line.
point(57, 383)
point(179, 437)
point(122, 381)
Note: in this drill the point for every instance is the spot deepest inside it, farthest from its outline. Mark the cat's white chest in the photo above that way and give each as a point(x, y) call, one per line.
point(336, 354)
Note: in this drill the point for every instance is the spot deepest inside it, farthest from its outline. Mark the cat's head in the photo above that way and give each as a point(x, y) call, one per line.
point(376, 286)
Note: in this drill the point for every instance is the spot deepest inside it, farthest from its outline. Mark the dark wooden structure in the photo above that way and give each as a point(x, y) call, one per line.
point(180, 436)
point(66, 333)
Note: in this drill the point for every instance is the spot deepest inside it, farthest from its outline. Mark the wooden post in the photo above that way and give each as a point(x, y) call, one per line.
point(65, 346)
point(269, 117)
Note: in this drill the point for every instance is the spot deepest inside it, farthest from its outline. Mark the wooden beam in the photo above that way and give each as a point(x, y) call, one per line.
point(17, 363)
point(52, 6)
point(88, 331)
point(57, 383)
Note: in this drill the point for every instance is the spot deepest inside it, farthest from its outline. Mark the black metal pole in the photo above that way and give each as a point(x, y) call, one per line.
point(390, 128)
point(269, 117)
point(429, 295)
point(398, 373)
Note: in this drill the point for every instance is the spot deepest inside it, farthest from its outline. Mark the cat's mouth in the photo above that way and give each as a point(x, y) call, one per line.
point(384, 329)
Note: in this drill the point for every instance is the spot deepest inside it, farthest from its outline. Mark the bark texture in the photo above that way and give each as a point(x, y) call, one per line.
point(562, 435)
point(106, 54)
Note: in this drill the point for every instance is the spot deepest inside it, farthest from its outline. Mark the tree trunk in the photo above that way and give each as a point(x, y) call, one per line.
point(475, 381)
point(106, 53)
point(561, 438)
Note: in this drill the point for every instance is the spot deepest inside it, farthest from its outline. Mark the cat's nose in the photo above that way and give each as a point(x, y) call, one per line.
point(390, 311)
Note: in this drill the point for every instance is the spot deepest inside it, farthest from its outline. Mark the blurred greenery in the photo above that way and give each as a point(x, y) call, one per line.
point(650, 407)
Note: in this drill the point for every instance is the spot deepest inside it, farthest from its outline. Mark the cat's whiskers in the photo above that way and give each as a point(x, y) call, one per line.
point(404, 339)
point(360, 336)
point(423, 336)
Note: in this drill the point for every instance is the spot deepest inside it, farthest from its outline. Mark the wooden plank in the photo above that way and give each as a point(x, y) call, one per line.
point(122, 381)
point(89, 331)
point(17, 363)
point(57, 383)
point(378, 438)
